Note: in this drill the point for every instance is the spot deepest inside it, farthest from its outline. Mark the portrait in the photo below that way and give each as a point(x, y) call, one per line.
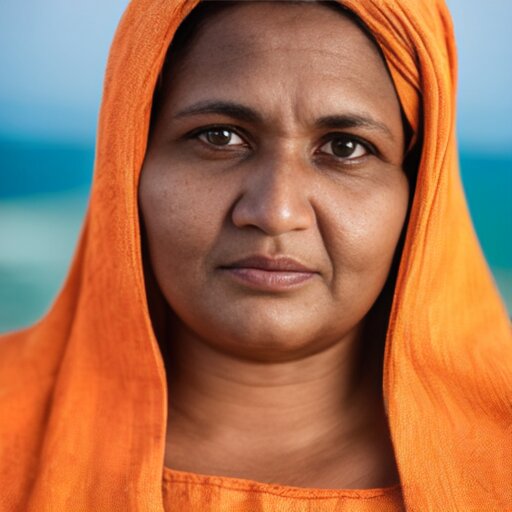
point(277, 299)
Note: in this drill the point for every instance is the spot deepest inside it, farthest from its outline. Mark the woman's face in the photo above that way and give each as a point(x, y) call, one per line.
point(280, 135)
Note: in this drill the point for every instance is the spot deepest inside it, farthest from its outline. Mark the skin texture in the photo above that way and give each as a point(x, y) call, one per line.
point(275, 386)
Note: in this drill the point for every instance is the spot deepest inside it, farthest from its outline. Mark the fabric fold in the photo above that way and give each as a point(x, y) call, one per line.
point(83, 392)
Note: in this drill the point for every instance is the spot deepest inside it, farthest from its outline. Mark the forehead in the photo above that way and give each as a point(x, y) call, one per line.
point(283, 24)
point(303, 52)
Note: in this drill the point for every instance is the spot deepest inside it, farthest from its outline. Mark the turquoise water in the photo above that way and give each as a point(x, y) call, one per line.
point(43, 196)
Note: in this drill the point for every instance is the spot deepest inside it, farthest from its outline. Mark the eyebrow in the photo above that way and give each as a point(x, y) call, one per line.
point(247, 114)
point(230, 109)
point(344, 121)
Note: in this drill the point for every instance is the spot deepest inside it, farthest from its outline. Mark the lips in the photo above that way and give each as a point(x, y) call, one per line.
point(269, 274)
point(280, 264)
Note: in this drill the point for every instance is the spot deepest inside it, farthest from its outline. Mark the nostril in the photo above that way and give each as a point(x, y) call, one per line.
point(273, 220)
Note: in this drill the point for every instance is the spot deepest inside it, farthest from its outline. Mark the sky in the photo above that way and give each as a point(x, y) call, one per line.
point(53, 55)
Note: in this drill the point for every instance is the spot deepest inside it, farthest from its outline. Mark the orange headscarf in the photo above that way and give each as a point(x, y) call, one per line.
point(83, 395)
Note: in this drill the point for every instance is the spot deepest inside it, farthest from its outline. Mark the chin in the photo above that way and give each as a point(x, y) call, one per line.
point(271, 339)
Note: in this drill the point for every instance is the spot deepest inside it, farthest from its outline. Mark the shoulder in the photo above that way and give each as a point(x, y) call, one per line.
point(26, 385)
point(25, 398)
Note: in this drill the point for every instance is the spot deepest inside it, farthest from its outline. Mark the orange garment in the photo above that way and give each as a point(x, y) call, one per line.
point(184, 491)
point(83, 395)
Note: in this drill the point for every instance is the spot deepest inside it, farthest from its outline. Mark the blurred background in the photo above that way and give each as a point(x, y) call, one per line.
point(52, 59)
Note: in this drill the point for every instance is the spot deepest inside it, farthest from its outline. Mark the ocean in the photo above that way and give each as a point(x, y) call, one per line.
point(44, 189)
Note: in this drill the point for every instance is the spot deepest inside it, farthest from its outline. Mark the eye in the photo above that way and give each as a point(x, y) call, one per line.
point(345, 147)
point(220, 136)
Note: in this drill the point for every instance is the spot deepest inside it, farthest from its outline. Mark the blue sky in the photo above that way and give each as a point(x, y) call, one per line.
point(53, 55)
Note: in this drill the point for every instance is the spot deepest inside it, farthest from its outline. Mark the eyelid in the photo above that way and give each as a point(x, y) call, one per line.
point(194, 134)
point(368, 146)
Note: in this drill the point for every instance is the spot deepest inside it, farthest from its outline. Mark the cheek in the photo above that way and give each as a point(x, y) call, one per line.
point(368, 228)
point(179, 220)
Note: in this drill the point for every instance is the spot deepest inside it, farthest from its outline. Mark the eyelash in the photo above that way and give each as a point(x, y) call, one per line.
point(369, 148)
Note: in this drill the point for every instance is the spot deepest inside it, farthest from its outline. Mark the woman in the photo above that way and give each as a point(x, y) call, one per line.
point(223, 324)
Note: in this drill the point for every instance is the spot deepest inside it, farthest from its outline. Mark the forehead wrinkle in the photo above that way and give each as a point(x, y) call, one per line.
point(330, 72)
point(240, 44)
point(332, 58)
point(291, 107)
point(262, 45)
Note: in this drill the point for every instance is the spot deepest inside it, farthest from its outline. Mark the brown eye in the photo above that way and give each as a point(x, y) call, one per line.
point(345, 147)
point(220, 137)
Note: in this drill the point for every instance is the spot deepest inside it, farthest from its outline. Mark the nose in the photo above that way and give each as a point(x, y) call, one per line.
point(275, 198)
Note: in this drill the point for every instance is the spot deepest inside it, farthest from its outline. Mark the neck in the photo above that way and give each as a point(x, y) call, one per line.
point(312, 396)
point(323, 407)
